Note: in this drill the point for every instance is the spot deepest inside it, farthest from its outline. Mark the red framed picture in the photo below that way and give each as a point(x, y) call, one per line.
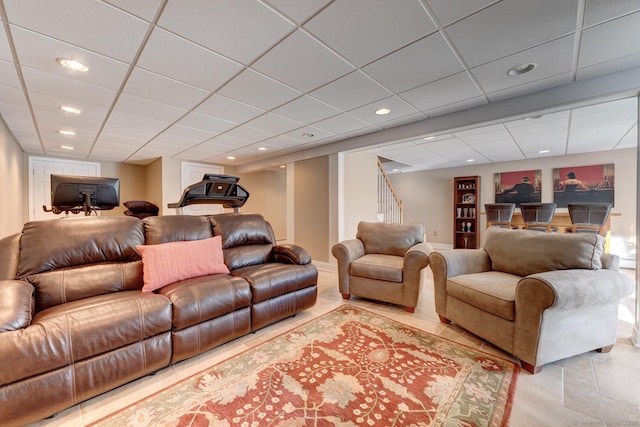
point(594, 183)
point(518, 187)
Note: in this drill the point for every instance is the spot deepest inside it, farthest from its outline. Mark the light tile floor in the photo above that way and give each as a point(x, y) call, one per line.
point(590, 389)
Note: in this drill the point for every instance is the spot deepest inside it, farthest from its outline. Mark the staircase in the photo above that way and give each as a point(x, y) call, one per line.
point(390, 208)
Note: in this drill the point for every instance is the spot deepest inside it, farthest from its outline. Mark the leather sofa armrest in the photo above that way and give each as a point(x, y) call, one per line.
point(17, 304)
point(291, 254)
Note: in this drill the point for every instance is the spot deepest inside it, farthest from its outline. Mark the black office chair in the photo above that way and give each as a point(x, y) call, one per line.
point(588, 217)
point(537, 216)
point(499, 214)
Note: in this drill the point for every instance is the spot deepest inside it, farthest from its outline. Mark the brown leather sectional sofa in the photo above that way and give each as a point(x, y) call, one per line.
point(74, 322)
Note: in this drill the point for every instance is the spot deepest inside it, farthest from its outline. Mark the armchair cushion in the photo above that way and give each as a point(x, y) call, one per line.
point(493, 292)
point(380, 267)
point(388, 238)
point(525, 252)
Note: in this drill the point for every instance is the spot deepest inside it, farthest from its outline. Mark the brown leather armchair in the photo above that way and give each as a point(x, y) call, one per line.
point(384, 262)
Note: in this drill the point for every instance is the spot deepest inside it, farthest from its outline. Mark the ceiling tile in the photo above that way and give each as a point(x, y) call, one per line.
point(493, 143)
point(155, 87)
point(419, 64)
point(302, 63)
point(147, 108)
point(534, 86)
point(448, 11)
point(8, 75)
point(308, 134)
point(240, 30)
point(93, 25)
point(611, 66)
point(610, 40)
point(66, 88)
point(399, 108)
point(182, 60)
point(228, 109)
point(274, 123)
point(499, 30)
point(341, 124)
point(456, 106)
point(441, 92)
point(40, 52)
point(207, 123)
point(249, 134)
point(597, 11)
point(552, 58)
point(351, 91)
point(5, 49)
point(52, 105)
point(12, 95)
point(142, 9)
point(298, 10)
point(306, 110)
point(365, 30)
point(258, 90)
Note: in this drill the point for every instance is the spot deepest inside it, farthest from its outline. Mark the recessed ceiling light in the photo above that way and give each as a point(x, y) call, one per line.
point(427, 138)
point(543, 151)
point(262, 148)
point(308, 135)
point(72, 64)
point(522, 69)
point(283, 166)
point(66, 147)
point(394, 170)
point(66, 132)
point(471, 160)
point(382, 111)
point(70, 109)
point(231, 157)
point(533, 118)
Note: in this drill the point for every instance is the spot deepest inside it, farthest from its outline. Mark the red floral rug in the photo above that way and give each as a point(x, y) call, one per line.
point(349, 367)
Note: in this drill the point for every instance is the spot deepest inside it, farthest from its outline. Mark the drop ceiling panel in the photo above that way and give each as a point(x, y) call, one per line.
point(40, 52)
point(92, 25)
point(418, 65)
point(258, 90)
point(52, 105)
point(308, 134)
point(228, 109)
point(131, 104)
point(298, 10)
point(12, 96)
point(5, 49)
point(365, 30)
point(399, 109)
point(341, 124)
point(182, 60)
point(207, 123)
point(449, 11)
point(442, 92)
point(454, 150)
point(351, 91)
point(161, 89)
point(597, 11)
point(534, 86)
point(610, 40)
point(63, 87)
point(240, 30)
point(249, 134)
point(302, 63)
point(551, 59)
point(8, 75)
point(306, 110)
point(511, 26)
point(274, 123)
point(142, 9)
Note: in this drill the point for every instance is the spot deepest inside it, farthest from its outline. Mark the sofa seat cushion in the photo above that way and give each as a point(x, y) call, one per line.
point(273, 279)
point(379, 267)
point(493, 292)
point(525, 252)
point(79, 330)
point(203, 298)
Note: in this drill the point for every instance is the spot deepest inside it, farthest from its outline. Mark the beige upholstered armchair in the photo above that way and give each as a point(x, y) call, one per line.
point(541, 297)
point(384, 262)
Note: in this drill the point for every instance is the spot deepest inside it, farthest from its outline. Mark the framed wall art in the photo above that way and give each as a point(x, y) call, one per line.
point(594, 183)
point(518, 187)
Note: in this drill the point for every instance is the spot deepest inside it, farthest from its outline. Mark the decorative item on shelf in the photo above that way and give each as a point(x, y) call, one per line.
point(473, 212)
point(469, 227)
point(468, 198)
point(459, 212)
point(466, 212)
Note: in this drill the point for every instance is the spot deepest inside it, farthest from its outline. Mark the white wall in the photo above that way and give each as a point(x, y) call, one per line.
point(428, 196)
point(360, 191)
point(12, 191)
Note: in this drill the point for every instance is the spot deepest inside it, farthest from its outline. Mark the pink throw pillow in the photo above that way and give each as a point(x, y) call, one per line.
point(166, 263)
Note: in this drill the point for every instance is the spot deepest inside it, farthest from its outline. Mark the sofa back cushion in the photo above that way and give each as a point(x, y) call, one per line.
point(175, 228)
point(247, 239)
point(525, 252)
point(68, 259)
point(389, 239)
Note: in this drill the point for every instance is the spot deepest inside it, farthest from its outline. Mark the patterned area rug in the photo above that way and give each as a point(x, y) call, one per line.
point(346, 368)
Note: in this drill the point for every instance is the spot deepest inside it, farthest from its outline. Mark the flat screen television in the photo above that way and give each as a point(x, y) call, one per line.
point(86, 194)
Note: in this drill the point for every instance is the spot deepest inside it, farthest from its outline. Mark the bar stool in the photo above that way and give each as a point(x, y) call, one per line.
point(537, 216)
point(588, 217)
point(499, 214)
